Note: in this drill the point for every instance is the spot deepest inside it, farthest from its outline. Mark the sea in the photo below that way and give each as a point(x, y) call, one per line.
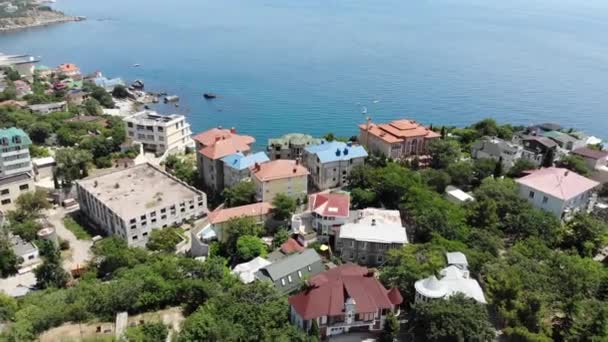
point(319, 66)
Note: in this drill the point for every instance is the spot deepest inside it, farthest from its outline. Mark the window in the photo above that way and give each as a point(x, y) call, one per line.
point(6, 201)
point(153, 214)
point(132, 221)
point(129, 124)
point(164, 217)
point(380, 258)
point(289, 278)
point(163, 210)
point(545, 199)
point(134, 237)
point(300, 274)
point(309, 268)
point(4, 192)
point(153, 220)
point(133, 226)
point(531, 194)
point(143, 217)
point(30, 257)
point(283, 281)
point(145, 234)
point(160, 129)
point(24, 187)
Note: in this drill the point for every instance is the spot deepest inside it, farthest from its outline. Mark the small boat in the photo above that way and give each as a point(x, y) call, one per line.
point(171, 98)
point(209, 96)
point(136, 65)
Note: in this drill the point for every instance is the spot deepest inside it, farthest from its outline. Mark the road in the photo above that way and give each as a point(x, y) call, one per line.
point(80, 250)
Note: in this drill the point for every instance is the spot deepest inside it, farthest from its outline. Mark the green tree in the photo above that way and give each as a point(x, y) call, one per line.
point(40, 131)
point(314, 331)
point(9, 262)
point(33, 202)
point(120, 92)
point(100, 94)
point(329, 137)
point(391, 328)
point(462, 174)
point(147, 332)
point(237, 227)
point(50, 273)
point(521, 165)
point(249, 247)
point(484, 168)
point(454, 319)
point(39, 151)
point(443, 153)
point(8, 307)
point(12, 74)
point(26, 229)
point(585, 234)
point(72, 164)
point(280, 237)
point(498, 170)
point(163, 240)
point(283, 207)
point(92, 107)
point(241, 193)
point(361, 198)
point(574, 164)
point(436, 179)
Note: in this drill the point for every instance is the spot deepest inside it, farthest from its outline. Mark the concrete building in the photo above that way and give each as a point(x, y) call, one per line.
point(326, 213)
point(24, 64)
point(14, 152)
point(398, 139)
point(455, 278)
point(236, 166)
point(368, 239)
point(558, 191)
point(48, 108)
point(213, 145)
point(456, 195)
point(280, 176)
point(160, 133)
point(597, 162)
point(565, 140)
point(290, 146)
point(11, 187)
point(27, 251)
point(289, 273)
point(497, 149)
point(44, 167)
point(330, 163)
point(132, 202)
point(213, 228)
point(344, 298)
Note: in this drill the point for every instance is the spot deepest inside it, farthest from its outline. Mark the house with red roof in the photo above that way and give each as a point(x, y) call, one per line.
point(396, 139)
point(329, 211)
point(344, 298)
point(597, 160)
point(68, 69)
point(557, 190)
point(212, 146)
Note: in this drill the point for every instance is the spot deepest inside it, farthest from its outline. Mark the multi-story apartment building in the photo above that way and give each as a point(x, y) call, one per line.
point(159, 133)
point(236, 166)
point(280, 176)
point(134, 201)
point(11, 187)
point(397, 139)
point(497, 149)
point(290, 146)
point(213, 145)
point(368, 239)
point(14, 152)
point(330, 163)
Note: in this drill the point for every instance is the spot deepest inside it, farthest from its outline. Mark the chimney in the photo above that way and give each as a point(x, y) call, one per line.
point(256, 166)
point(295, 170)
point(349, 144)
point(373, 222)
point(338, 152)
point(233, 130)
point(566, 173)
point(345, 152)
point(217, 138)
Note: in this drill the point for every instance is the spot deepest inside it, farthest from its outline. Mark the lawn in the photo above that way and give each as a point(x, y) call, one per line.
point(76, 228)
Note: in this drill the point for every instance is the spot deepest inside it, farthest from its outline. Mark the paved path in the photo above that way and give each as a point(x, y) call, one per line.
point(80, 249)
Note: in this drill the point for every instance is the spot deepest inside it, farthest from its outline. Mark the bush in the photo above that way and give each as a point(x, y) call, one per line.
point(79, 231)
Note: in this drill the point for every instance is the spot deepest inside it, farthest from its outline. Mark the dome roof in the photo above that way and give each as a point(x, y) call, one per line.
point(430, 287)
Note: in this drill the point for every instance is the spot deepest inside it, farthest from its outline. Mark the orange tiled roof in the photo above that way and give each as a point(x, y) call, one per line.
point(277, 169)
point(396, 131)
point(68, 67)
point(218, 143)
point(249, 210)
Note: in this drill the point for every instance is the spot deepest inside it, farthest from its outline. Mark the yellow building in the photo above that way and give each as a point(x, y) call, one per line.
point(280, 176)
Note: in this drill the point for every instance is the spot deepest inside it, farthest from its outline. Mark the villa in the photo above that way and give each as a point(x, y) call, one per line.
point(396, 139)
point(290, 146)
point(280, 176)
point(330, 163)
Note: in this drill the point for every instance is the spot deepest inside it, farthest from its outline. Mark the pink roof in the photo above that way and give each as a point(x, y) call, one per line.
point(249, 210)
point(332, 288)
point(278, 169)
point(558, 182)
point(218, 143)
point(291, 246)
point(327, 204)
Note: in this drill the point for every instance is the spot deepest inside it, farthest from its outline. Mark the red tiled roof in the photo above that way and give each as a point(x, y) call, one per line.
point(277, 169)
point(396, 131)
point(590, 153)
point(327, 204)
point(331, 289)
point(558, 182)
point(218, 143)
point(249, 210)
point(291, 246)
point(67, 67)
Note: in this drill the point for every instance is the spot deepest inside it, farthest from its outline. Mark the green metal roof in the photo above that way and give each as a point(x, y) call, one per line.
point(7, 136)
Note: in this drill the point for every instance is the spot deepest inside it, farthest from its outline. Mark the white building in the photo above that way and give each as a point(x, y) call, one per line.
point(246, 271)
point(14, 152)
point(27, 251)
point(159, 133)
point(47, 108)
point(497, 149)
point(368, 239)
point(456, 195)
point(454, 279)
point(134, 201)
point(330, 163)
point(557, 190)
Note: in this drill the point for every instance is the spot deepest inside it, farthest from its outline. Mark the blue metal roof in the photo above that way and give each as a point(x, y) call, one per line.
point(240, 161)
point(336, 151)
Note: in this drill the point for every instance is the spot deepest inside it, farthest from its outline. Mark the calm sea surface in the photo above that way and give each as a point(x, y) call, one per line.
point(310, 65)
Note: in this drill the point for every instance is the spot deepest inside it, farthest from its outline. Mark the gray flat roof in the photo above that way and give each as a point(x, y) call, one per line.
point(135, 190)
point(21, 177)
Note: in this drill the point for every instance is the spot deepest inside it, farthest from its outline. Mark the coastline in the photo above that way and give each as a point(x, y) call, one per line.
point(39, 22)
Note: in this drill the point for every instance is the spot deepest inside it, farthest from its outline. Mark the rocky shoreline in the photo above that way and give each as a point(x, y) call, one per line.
point(36, 20)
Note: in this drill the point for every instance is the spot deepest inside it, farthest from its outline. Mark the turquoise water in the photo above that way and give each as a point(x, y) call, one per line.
point(309, 66)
